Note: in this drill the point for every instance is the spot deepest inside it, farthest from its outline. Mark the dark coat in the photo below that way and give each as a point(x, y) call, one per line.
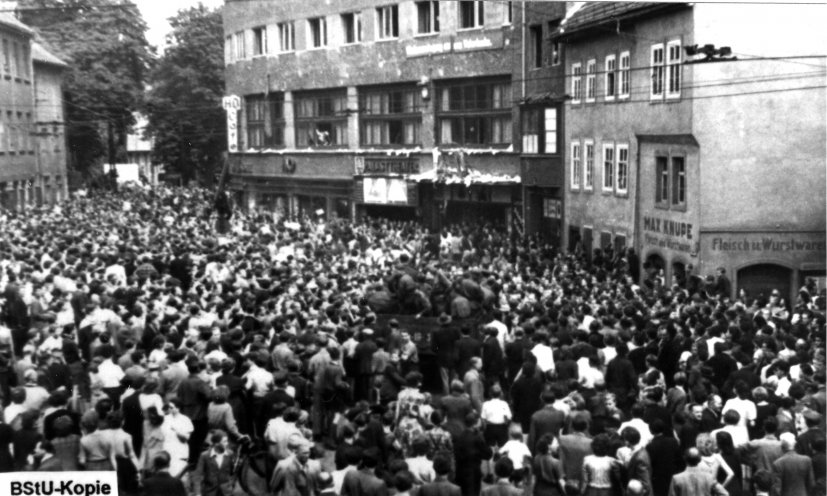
point(665, 454)
point(51, 465)
point(549, 420)
point(211, 480)
point(456, 408)
point(363, 483)
point(133, 421)
point(467, 347)
point(440, 488)
point(493, 362)
point(443, 344)
point(525, 395)
point(194, 394)
point(793, 475)
point(470, 449)
point(163, 483)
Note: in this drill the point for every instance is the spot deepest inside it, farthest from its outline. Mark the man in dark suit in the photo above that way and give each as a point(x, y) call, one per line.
point(194, 394)
point(804, 445)
point(621, 378)
point(443, 344)
point(364, 360)
point(711, 416)
point(470, 449)
point(45, 453)
point(133, 415)
point(58, 400)
point(793, 472)
point(161, 483)
point(237, 399)
point(456, 407)
point(549, 420)
point(441, 486)
point(363, 482)
point(525, 395)
point(467, 348)
point(213, 473)
point(665, 454)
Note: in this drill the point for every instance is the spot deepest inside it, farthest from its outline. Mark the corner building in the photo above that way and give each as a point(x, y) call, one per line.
point(404, 110)
point(699, 163)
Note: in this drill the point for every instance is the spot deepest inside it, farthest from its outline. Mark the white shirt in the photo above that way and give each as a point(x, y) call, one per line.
point(516, 451)
point(496, 411)
point(642, 427)
point(502, 331)
point(339, 477)
point(110, 374)
point(545, 357)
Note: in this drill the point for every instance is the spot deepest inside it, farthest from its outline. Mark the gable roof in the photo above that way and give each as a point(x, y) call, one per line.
point(595, 14)
point(40, 55)
point(8, 20)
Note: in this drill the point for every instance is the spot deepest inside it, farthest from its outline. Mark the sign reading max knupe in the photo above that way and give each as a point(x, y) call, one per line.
point(59, 484)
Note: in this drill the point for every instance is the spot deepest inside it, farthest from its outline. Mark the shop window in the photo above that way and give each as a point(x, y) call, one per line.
point(474, 113)
point(352, 26)
point(427, 17)
point(536, 45)
point(321, 118)
point(317, 32)
point(390, 116)
point(259, 41)
point(287, 36)
point(265, 121)
point(471, 14)
point(387, 21)
point(576, 83)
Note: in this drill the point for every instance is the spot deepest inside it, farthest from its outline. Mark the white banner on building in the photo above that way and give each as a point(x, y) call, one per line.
point(232, 104)
point(385, 190)
point(59, 484)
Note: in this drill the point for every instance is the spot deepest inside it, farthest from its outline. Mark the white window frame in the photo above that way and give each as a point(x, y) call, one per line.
point(588, 168)
point(675, 179)
point(624, 76)
point(239, 46)
point(591, 80)
point(609, 181)
point(356, 19)
point(657, 71)
point(287, 36)
point(385, 22)
point(433, 17)
point(550, 114)
point(673, 68)
point(576, 165)
point(259, 45)
point(479, 16)
point(322, 33)
point(610, 78)
point(576, 82)
point(620, 149)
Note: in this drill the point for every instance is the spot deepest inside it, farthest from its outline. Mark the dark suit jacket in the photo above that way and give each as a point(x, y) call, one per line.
point(470, 449)
point(194, 394)
point(164, 484)
point(170, 380)
point(467, 347)
point(549, 420)
point(502, 489)
point(793, 475)
point(665, 454)
point(211, 479)
point(440, 487)
point(443, 344)
point(573, 449)
point(363, 483)
point(49, 422)
point(133, 420)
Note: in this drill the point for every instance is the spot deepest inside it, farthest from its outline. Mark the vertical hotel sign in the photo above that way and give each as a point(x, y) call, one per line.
point(231, 105)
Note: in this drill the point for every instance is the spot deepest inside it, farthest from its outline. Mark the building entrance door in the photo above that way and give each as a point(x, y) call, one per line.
point(762, 279)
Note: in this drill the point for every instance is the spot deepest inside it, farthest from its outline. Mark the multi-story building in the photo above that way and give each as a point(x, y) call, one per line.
point(49, 127)
point(32, 138)
point(18, 162)
point(404, 109)
point(699, 160)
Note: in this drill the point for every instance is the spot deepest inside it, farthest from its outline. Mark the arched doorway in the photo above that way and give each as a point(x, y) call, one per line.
point(762, 279)
point(653, 265)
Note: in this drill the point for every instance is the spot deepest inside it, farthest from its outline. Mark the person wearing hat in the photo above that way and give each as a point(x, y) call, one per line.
point(443, 344)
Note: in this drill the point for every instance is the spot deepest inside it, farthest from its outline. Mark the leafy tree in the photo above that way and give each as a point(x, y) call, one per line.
point(104, 43)
point(183, 106)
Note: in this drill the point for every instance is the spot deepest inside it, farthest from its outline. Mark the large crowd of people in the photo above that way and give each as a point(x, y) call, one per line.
point(136, 338)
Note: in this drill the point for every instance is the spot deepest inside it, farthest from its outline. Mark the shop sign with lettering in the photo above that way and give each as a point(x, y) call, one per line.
point(465, 43)
point(383, 166)
point(669, 234)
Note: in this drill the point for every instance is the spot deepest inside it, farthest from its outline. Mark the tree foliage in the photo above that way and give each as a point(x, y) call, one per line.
point(183, 106)
point(104, 43)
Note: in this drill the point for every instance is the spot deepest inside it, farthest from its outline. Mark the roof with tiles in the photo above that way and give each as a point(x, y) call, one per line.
point(593, 14)
point(8, 20)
